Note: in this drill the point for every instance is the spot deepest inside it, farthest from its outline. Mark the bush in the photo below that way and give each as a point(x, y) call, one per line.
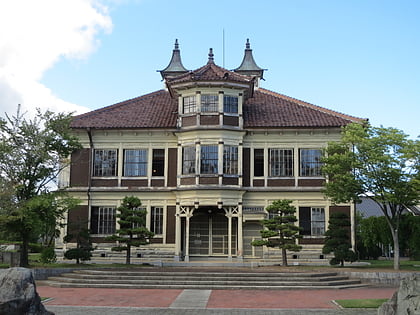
point(82, 254)
point(48, 255)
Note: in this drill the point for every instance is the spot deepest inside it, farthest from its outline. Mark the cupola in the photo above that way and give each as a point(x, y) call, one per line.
point(248, 66)
point(175, 67)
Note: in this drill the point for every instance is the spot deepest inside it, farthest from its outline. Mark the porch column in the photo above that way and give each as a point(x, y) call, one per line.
point(177, 235)
point(187, 238)
point(240, 253)
point(229, 216)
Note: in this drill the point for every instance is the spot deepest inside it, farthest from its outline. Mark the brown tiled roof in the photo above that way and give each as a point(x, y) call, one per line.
point(265, 109)
point(154, 110)
point(270, 109)
point(210, 72)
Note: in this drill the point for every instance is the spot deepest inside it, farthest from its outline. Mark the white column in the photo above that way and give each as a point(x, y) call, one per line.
point(187, 238)
point(240, 252)
point(177, 235)
point(229, 215)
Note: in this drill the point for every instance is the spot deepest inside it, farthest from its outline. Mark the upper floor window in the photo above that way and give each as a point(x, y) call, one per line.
point(102, 220)
point(230, 160)
point(158, 162)
point(230, 104)
point(156, 220)
point(310, 162)
point(189, 104)
point(209, 159)
point(209, 103)
point(281, 162)
point(258, 162)
point(105, 162)
point(188, 160)
point(135, 162)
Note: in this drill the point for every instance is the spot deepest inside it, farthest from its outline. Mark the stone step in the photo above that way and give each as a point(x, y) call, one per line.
point(201, 280)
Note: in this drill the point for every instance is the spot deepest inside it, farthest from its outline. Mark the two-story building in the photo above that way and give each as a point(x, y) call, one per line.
point(205, 155)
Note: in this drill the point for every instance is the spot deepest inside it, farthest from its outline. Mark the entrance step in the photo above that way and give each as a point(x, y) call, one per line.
point(205, 280)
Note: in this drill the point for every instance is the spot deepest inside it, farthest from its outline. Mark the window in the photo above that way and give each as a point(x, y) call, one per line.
point(258, 162)
point(312, 221)
point(281, 162)
point(156, 220)
point(188, 160)
point(230, 104)
point(209, 159)
point(310, 162)
point(209, 103)
point(158, 162)
point(230, 160)
point(317, 221)
point(189, 104)
point(105, 163)
point(102, 220)
point(135, 162)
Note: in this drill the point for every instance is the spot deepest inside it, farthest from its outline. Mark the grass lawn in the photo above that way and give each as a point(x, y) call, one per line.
point(361, 303)
point(413, 265)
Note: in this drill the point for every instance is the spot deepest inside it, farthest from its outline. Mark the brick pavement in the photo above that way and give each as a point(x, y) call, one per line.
point(158, 301)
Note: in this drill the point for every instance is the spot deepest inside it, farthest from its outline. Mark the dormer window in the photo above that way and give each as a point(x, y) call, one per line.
point(189, 104)
point(209, 103)
point(230, 104)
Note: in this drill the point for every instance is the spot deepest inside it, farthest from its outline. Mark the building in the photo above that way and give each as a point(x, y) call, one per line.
point(206, 155)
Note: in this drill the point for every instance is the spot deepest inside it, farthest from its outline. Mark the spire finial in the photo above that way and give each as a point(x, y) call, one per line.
point(176, 44)
point(248, 45)
point(211, 55)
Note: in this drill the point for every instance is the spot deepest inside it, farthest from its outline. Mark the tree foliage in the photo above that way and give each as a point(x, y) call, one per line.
point(337, 239)
point(32, 153)
point(132, 230)
point(280, 228)
point(81, 236)
point(379, 163)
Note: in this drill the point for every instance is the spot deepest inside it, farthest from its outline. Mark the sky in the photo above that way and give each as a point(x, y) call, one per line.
point(358, 57)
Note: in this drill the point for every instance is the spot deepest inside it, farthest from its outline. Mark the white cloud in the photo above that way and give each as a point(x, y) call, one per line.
point(34, 36)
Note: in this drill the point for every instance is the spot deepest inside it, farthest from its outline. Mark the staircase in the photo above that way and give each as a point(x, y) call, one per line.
point(205, 279)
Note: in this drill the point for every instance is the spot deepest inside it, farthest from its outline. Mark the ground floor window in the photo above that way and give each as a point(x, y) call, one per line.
point(156, 220)
point(102, 220)
point(312, 221)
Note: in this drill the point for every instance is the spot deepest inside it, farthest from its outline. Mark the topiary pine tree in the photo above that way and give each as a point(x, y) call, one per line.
point(280, 229)
point(337, 239)
point(132, 231)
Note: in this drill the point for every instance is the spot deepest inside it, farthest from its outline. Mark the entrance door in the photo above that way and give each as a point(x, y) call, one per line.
point(209, 233)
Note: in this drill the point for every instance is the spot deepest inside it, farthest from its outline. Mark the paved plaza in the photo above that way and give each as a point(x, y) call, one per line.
point(90, 301)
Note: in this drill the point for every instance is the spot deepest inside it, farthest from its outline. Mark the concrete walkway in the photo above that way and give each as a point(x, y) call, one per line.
point(89, 301)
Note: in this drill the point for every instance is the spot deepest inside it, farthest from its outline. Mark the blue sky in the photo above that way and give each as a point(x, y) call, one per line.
point(357, 57)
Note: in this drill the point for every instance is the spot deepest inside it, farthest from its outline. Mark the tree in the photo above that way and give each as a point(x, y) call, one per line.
point(379, 163)
point(81, 235)
point(280, 229)
point(32, 154)
point(337, 239)
point(132, 231)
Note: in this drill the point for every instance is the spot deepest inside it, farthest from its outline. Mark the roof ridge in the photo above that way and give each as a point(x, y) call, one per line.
point(116, 105)
point(313, 106)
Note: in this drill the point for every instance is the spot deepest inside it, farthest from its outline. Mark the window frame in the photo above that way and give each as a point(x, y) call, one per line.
point(317, 225)
point(209, 159)
point(103, 220)
point(230, 160)
point(189, 104)
point(156, 220)
point(107, 166)
point(158, 162)
point(309, 163)
point(209, 103)
point(189, 165)
point(141, 169)
point(281, 165)
point(259, 162)
point(228, 106)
